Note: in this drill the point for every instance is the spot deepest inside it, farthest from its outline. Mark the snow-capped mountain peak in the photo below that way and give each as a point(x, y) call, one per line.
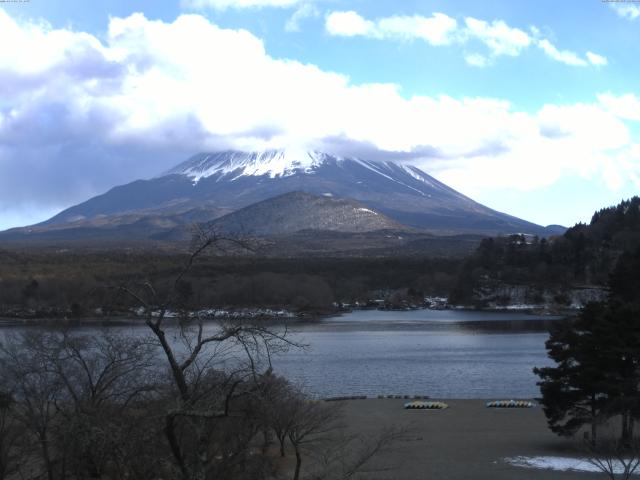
point(231, 165)
point(273, 163)
point(224, 182)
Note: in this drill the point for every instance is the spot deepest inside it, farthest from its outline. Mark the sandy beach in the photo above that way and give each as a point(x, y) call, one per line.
point(465, 441)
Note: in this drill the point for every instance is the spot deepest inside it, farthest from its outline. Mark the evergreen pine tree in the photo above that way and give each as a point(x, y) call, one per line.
point(597, 356)
point(574, 391)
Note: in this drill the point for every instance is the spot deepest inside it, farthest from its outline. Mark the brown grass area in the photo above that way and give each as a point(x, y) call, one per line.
point(465, 441)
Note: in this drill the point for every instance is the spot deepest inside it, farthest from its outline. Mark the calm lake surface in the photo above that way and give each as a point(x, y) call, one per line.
point(440, 353)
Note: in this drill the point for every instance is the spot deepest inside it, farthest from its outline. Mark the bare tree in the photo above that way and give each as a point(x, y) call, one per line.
point(349, 456)
point(205, 398)
point(38, 392)
point(100, 369)
point(10, 434)
point(75, 395)
point(315, 429)
point(278, 400)
point(614, 458)
point(311, 422)
point(102, 376)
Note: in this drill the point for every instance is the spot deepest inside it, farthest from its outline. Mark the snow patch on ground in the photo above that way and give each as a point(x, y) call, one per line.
point(563, 464)
point(218, 313)
point(366, 210)
point(521, 306)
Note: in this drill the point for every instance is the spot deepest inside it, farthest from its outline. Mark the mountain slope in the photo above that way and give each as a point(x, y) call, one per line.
point(228, 181)
point(297, 211)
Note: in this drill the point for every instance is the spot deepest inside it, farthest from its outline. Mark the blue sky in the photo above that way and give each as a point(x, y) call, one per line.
point(532, 108)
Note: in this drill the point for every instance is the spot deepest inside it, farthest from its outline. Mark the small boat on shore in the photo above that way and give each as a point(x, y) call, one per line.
point(510, 404)
point(418, 405)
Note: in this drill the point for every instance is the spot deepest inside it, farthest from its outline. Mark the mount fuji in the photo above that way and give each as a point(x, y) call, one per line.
point(209, 186)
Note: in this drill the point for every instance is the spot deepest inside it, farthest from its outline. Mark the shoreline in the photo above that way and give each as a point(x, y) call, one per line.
point(301, 318)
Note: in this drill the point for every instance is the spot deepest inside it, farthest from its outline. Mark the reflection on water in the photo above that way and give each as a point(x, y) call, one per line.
point(446, 354)
point(440, 316)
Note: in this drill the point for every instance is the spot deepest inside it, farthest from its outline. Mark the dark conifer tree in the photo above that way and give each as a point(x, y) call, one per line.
point(597, 372)
point(574, 391)
point(621, 333)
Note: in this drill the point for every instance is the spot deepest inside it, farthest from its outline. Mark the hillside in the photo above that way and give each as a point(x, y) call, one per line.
point(582, 258)
point(297, 211)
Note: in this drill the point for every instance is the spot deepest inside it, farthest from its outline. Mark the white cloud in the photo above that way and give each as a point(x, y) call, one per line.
point(225, 4)
point(477, 60)
point(571, 58)
point(435, 30)
point(562, 56)
point(349, 24)
point(625, 106)
point(626, 10)
point(570, 140)
point(90, 113)
point(596, 59)
point(498, 36)
point(440, 29)
point(306, 10)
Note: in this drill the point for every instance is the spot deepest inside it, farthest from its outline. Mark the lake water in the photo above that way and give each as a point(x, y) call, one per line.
point(440, 353)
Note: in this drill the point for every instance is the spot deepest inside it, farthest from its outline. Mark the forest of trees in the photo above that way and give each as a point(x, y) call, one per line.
point(584, 255)
point(75, 284)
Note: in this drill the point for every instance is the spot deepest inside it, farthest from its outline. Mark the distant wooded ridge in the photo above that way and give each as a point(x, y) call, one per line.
point(74, 282)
